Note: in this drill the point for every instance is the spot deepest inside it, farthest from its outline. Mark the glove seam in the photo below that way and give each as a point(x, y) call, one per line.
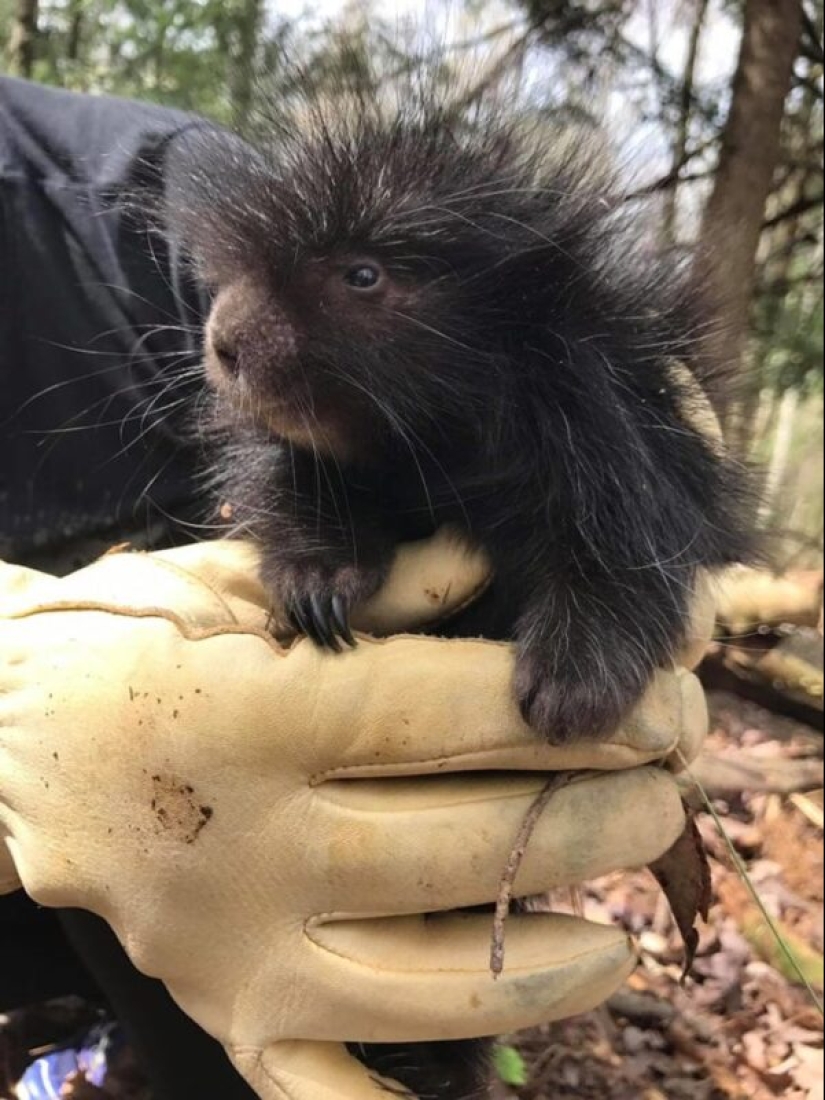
point(185, 574)
point(258, 1066)
point(483, 798)
point(193, 633)
point(187, 630)
point(460, 760)
point(168, 567)
point(571, 960)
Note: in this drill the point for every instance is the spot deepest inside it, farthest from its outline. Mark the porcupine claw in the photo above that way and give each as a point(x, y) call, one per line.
point(340, 620)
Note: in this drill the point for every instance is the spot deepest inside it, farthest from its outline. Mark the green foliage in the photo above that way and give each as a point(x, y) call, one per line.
point(789, 334)
point(6, 10)
point(510, 1067)
point(184, 53)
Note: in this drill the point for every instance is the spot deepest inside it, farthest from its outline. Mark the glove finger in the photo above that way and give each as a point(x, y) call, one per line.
point(695, 725)
point(406, 847)
point(308, 1071)
point(429, 581)
point(702, 624)
point(412, 706)
point(412, 978)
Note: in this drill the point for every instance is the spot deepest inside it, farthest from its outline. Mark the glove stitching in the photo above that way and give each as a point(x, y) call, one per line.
point(263, 1070)
point(178, 571)
point(628, 757)
point(193, 633)
point(482, 798)
point(187, 630)
point(259, 1066)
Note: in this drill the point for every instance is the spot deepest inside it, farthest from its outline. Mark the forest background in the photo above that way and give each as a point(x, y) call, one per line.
point(714, 109)
point(714, 106)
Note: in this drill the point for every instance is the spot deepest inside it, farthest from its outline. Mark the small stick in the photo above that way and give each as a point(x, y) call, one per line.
point(508, 879)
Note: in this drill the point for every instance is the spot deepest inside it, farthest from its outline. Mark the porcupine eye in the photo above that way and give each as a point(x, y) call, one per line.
point(365, 278)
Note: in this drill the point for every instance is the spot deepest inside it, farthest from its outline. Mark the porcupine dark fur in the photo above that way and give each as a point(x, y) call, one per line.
point(512, 375)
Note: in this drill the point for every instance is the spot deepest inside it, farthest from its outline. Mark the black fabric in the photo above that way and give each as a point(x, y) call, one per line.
point(35, 962)
point(92, 309)
point(183, 1063)
point(91, 315)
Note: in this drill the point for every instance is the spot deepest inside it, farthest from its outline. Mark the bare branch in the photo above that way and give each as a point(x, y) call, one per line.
point(811, 46)
point(509, 58)
point(674, 177)
point(803, 205)
point(810, 84)
point(500, 31)
point(685, 116)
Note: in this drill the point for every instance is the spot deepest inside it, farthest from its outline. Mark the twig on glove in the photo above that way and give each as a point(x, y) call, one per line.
point(508, 879)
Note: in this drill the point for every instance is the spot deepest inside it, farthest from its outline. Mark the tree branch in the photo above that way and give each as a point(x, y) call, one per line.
point(487, 37)
point(685, 115)
point(781, 287)
point(809, 83)
point(811, 45)
point(790, 247)
point(511, 55)
point(802, 206)
point(674, 177)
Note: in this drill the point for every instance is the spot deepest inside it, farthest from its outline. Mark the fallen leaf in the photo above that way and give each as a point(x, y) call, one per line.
point(684, 875)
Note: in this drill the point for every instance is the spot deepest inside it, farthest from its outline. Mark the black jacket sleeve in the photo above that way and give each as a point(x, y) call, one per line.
point(97, 320)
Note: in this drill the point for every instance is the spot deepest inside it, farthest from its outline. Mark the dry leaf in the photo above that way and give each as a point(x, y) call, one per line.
point(684, 875)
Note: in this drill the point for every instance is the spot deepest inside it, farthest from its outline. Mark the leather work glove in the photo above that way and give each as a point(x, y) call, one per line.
point(263, 824)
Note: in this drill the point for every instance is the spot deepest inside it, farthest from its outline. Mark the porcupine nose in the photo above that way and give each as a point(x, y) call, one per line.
point(225, 340)
point(227, 353)
point(249, 338)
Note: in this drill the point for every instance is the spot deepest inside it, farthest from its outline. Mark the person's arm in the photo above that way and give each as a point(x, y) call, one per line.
point(265, 825)
point(98, 324)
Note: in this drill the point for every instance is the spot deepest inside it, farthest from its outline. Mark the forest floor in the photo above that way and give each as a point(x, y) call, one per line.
point(741, 1027)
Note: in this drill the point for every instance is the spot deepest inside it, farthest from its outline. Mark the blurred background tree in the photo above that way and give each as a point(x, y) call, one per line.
point(716, 105)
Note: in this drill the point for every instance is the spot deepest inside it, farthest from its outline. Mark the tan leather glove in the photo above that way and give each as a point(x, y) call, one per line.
point(263, 825)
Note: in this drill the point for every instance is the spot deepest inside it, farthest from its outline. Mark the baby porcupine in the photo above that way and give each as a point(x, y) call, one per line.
point(422, 320)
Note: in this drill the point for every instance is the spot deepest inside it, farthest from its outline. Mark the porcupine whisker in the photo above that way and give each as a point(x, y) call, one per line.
point(411, 440)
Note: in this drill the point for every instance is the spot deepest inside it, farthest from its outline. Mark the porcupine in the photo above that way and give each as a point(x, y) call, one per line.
point(423, 319)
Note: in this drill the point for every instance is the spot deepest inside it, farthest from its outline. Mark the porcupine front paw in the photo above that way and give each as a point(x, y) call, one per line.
point(568, 700)
point(318, 597)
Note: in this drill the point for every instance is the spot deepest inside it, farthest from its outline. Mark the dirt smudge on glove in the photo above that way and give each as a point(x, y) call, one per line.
point(177, 810)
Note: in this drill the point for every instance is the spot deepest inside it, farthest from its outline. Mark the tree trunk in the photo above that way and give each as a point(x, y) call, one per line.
point(680, 145)
point(75, 36)
point(242, 75)
point(751, 149)
point(23, 38)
